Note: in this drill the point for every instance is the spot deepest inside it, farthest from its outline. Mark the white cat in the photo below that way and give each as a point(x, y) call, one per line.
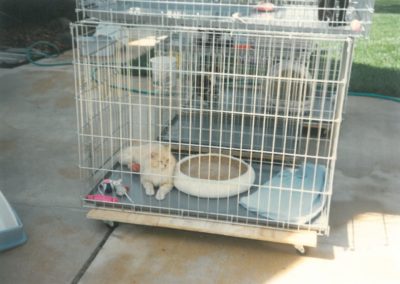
point(157, 166)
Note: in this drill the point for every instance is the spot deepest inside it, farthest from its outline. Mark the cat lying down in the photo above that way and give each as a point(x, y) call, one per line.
point(157, 166)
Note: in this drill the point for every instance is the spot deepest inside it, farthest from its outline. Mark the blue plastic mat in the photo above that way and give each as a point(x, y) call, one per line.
point(293, 196)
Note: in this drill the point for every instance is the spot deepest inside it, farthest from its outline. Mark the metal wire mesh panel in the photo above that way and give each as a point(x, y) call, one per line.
point(328, 17)
point(231, 126)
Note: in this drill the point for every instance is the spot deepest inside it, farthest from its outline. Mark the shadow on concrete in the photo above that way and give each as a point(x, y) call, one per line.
point(177, 256)
point(364, 208)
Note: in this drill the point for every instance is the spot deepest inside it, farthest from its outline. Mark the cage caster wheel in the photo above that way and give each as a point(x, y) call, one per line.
point(301, 250)
point(110, 224)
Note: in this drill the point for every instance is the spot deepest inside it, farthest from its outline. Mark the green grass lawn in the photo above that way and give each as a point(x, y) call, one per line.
point(376, 66)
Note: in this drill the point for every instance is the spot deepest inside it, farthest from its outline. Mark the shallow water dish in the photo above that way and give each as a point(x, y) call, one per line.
point(11, 228)
point(213, 175)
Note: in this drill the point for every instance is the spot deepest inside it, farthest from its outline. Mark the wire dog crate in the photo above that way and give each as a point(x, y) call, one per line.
point(248, 118)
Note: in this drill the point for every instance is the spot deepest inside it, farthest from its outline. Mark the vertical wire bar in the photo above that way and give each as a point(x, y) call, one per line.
point(249, 106)
point(169, 106)
point(91, 103)
point(192, 95)
point(256, 106)
point(234, 88)
point(270, 84)
point(135, 102)
point(279, 91)
point(148, 116)
point(157, 102)
point(305, 91)
point(186, 40)
point(78, 101)
point(291, 87)
point(244, 110)
point(211, 112)
point(317, 51)
point(260, 55)
point(200, 110)
point(182, 56)
point(128, 109)
point(224, 54)
point(302, 91)
point(118, 136)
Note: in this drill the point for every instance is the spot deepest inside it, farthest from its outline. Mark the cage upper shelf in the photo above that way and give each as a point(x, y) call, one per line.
point(327, 17)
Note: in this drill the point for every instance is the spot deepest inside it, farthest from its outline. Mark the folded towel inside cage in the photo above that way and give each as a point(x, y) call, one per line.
point(294, 196)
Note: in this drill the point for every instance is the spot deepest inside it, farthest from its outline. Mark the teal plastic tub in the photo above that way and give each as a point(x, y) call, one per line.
point(11, 229)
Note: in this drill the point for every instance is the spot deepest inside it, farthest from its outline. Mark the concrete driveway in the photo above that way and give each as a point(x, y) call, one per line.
point(39, 176)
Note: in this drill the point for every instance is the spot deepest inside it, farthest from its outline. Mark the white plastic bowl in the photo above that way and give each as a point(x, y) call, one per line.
point(213, 175)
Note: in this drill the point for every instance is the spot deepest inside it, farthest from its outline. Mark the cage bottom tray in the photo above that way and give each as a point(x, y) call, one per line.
point(180, 204)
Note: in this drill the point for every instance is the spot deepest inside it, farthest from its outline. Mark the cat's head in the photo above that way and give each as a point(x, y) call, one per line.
point(161, 158)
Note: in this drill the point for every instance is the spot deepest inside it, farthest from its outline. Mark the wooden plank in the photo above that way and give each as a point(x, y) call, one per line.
point(302, 237)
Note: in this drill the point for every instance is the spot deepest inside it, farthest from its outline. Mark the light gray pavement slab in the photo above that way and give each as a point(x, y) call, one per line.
point(40, 178)
point(60, 241)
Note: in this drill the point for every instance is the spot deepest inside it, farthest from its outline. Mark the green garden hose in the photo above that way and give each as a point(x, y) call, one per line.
point(372, 95)
point(33, 51)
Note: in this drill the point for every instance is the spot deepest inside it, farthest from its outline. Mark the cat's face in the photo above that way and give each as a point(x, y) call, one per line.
point(160, 159)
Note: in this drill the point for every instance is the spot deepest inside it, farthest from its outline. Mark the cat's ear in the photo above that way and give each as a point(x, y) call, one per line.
point(168, 147)
point(154, 155)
